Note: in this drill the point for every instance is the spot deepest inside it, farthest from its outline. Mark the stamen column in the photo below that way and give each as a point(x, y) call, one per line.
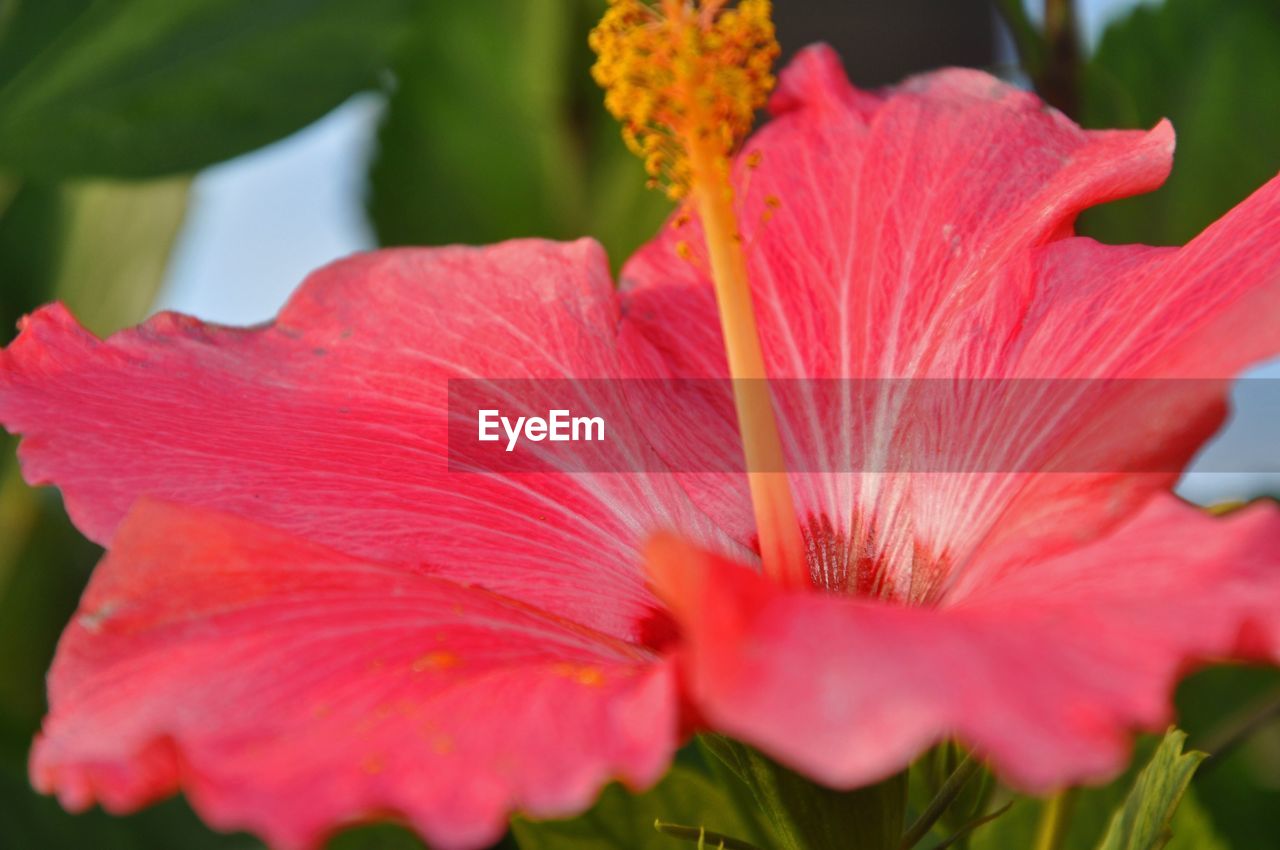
point(685, 79)
point(781, 545)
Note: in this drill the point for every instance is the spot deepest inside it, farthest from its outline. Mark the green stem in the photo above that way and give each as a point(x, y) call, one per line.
point(1052, 830)
point(19, 510)
point(808, 816)
point(1052, 57)
point(963, 832)
point(941, 802)
point(1059, 82)
point(704, 837)
point(1238, 729)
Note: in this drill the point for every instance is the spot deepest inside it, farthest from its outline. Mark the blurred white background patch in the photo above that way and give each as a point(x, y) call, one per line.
point(259, 223)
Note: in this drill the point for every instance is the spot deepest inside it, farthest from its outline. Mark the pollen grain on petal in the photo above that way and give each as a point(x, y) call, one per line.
point(93, 621)
point(437, 660)
point(583, 674)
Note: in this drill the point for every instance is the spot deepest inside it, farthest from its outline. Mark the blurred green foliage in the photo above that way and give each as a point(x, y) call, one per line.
point(148, 87)
point(494, 130)
point(804, 815)
point(529, 149)
point(1239, 786)
point(1213, 69)
point(625, 821)
point(928, 778)
point(1153, 786)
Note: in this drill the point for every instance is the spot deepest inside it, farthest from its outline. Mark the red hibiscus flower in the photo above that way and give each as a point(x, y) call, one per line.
point(305, 619)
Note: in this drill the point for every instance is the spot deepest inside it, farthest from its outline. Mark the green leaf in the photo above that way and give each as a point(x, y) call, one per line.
point(1144, 821)
point(1192, 827)
point(1091, 813)
point(102, 248)
point(807, 816)
point(375, 837)
point(1212, 68)
point(8, 189)
point(496, 131)
point(1239, 788)
point(30, 232)
point(623, 821)
point(929, 777)
point(151, 87)
point(116, 241)
point(19, 510)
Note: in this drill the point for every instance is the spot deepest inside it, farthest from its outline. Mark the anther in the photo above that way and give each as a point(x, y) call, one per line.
point(678, 72)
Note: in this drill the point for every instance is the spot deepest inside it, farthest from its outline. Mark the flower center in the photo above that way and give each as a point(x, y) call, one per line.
point(685, 79)
point(867, 562)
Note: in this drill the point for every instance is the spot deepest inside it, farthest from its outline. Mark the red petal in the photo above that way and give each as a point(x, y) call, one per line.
point(1044, 674)
point(331, 422)
point(926, 233)
point(289, 689)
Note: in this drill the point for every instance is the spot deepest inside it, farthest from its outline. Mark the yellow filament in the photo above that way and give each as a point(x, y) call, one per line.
point(685, 83)
point(781, 545)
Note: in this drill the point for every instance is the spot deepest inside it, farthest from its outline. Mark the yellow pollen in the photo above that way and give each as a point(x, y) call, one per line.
point(771, 204)
point(685, 78)
point(680, 70)
point(439, 660)
point(583, 674)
